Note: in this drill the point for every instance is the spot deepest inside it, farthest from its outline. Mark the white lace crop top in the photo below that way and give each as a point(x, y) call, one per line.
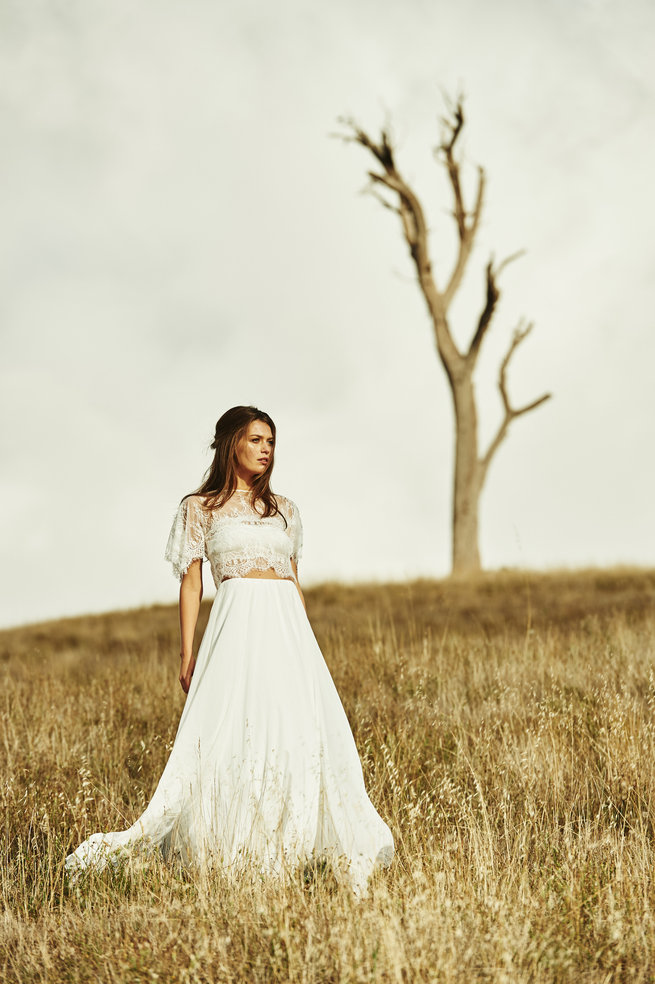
point(235, 538)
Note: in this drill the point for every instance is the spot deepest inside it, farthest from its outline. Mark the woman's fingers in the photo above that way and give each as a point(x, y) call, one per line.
point(185, 679)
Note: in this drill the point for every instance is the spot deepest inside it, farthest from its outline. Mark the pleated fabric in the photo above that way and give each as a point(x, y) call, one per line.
point(264, 772)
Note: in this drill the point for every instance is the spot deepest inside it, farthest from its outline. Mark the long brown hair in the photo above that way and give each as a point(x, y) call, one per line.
point(220, 479)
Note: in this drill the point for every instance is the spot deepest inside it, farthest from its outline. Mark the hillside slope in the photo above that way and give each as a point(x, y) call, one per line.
point(507, 734)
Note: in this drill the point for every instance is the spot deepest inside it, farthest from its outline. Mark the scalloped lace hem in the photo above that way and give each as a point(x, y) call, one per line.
point(272, 576)
point(245, 568)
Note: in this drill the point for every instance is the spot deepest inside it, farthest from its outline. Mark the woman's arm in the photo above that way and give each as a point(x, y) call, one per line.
point(190, 598)
point(294, 565)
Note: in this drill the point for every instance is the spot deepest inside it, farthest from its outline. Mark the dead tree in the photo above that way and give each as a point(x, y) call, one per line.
point(471, 467)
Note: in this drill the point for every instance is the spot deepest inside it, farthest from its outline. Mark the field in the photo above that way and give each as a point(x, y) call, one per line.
point(506, 727)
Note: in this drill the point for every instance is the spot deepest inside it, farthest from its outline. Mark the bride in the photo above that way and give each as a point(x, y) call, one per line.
point(264, 771)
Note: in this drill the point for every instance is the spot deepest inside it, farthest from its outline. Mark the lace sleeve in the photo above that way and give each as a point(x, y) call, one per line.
point(186, 541)
point(294, 530)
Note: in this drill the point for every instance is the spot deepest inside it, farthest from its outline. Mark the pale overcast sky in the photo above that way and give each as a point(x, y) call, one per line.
point(180, 233)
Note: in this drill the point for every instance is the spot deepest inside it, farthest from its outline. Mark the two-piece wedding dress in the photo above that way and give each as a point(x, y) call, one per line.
point(264, 770)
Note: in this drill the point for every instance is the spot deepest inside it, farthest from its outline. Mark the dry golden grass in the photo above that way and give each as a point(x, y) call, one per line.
point(507, 734)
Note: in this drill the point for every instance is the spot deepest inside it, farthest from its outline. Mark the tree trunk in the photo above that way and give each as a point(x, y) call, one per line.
point(468, 479)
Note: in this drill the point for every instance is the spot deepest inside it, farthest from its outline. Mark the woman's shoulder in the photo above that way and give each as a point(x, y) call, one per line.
point(192, 505)
point(287, 506)
point(196, 499)
point(284, 500)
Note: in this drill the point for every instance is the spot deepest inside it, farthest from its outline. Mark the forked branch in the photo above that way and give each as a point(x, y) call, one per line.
point(452, 129)
point(510, 412)
point(491, 300)
point(383, 151)
point(467, 222)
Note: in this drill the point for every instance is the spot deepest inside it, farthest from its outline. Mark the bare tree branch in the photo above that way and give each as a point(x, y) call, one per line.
point(455, 122)
point(378, 197)
point(383, 152)
point(493, 293)
point(447, 148)
point(509, 259)
point(409, 208)
point(521, 333)
point(414, 227)
point(467, 232)
point(491, 300)
point(467, 223)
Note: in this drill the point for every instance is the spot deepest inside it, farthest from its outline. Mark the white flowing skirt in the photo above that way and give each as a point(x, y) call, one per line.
point(264, 770)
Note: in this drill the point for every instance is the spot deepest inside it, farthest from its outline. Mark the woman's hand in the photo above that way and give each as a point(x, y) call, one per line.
point(187, 666)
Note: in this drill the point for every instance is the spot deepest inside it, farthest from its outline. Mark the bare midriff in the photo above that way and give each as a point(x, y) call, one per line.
point(270, 575)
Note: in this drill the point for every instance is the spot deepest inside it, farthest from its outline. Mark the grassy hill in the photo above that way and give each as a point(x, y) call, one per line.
point(507, 733)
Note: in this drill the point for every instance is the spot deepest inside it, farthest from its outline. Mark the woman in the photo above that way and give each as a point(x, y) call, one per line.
point(264, 770)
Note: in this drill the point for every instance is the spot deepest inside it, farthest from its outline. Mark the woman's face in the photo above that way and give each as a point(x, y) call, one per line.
point(255, 450)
